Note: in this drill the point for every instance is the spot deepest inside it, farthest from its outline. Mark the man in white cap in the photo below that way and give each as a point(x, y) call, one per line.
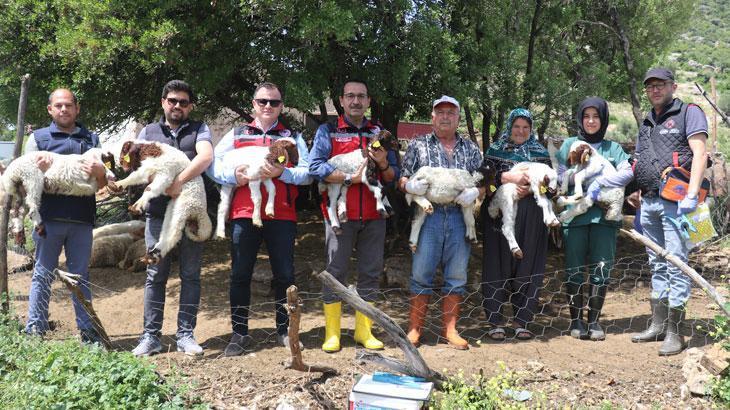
point(442, 240)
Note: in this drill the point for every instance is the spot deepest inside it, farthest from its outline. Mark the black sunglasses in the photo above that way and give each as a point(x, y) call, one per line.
point(175, 101)
point(263, 101)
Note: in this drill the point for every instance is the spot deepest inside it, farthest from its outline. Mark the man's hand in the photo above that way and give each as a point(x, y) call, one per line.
point(467, 196)
point(687, 205)
point(269, 171)
point(634, 199)
point(93, 168)
point(516, 177)
point(241, 177)
point(523, 191)
point(593, 190)
point(358, 175)
point(380, 156)
point(43, 160)
point(173, 191)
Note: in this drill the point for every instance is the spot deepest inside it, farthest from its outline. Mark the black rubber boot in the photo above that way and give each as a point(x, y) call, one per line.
point(575, 304)
point(595, 305)
point(658, 327)
point(674, 341)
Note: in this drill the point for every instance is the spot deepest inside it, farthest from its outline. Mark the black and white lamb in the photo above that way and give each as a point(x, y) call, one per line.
point(187, 212)
point(444, 185)
point(26, 183)
point(350, 163)
point(543, 179)
point(283, 151)
point(586, 164)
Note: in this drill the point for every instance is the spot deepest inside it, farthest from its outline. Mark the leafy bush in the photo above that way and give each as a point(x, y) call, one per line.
point(38, 374)
point(480, 393)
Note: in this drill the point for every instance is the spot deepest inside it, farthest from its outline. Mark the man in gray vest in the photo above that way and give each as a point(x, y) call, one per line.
point(194, 139)
point(673, 134)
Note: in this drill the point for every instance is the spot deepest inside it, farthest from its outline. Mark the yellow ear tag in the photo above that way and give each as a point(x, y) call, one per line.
point(376, 144)
point(492, 188)
point(108, 165)
point(543, 190)
point(281, 159)
point(126, 158)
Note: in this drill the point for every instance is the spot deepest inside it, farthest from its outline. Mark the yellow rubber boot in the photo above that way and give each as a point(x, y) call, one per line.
point(332, 314)
point(363, 332)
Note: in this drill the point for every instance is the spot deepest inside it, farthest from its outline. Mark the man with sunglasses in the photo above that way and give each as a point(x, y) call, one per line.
point(673, 133)
point(278, 231)
point(194, 139)
point(364, 228)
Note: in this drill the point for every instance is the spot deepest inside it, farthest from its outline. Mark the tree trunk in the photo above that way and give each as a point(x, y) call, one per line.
point(527, 87)
point(486, 125)
point(322, 112)
point(544, 125)
point(470, 123)
point(629, 63)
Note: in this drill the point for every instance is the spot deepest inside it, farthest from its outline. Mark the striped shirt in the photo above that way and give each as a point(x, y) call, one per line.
point(427, 150)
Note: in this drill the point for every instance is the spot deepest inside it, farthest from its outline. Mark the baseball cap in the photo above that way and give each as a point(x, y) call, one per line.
point(659, 73)
point(446, 99)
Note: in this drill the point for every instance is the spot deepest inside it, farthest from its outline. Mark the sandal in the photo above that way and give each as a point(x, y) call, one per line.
point(523, 334)
point(497, 333)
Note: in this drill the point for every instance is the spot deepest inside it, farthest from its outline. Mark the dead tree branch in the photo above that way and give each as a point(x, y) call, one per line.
point(294, 307)
point(71, 281)
point(724, 117)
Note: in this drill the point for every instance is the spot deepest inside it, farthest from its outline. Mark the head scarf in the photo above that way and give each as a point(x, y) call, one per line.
point(602, 107)
point(527, 151)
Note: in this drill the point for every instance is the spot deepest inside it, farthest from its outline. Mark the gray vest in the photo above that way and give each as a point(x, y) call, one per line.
point(659, 142)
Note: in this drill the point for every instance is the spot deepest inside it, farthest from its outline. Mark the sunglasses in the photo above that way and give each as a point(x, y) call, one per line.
point(175, 101)
point(263, 101)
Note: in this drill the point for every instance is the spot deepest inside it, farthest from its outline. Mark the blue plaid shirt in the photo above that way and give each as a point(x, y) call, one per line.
point(426, 150)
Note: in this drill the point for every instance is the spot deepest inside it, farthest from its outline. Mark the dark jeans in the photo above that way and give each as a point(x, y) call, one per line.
point(154, 288)
point(245, 243)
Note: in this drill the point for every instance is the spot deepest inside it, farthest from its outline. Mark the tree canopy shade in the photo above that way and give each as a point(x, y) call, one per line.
point(491, 54)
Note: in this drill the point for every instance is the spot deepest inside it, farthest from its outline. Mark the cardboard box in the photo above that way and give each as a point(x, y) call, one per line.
point(398, 393)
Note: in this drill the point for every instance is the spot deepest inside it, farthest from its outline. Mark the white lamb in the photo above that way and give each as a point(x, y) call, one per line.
point(26, 182)
point(350, 163)
point(187, 212)
point(134, 227)
point(282, 151)
point(444, 185)
point(543, 179)
point(586, 164)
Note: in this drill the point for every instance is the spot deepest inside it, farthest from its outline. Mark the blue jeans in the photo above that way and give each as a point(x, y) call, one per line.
point(154, 288)
point(75, 239)
point(667, 281)
point(245, 243)
point(442, 241)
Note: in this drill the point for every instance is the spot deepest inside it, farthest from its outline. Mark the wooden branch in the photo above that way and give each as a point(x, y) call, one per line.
point(686, 269)
point(725, 119)
point(414, 365)
point(71, 282)
point(294, 307)
point(629, 63)
point(20, 125)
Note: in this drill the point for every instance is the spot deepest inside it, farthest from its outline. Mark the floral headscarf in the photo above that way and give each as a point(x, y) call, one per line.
point(529, 150)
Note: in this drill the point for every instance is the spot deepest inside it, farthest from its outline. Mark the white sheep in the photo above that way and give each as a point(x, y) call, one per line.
point(350, 163)
point(133, 257)
point(26, 182)
point(135, 227)
point(543, 179)
point(187, 212)
point(444, 185)
point(109, 250)
point(281, 151)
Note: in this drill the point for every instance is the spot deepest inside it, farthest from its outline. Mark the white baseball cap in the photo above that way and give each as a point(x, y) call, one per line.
point(446, 99)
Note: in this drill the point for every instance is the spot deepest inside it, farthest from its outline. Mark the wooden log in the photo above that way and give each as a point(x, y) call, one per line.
point(72, 283)
point(414, 364)
point(294, 307)
point(686, 269)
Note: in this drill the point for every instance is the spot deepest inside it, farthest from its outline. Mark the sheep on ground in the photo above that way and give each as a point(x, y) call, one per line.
point(350, 163)
point(543, 179)
point(134, 227)
point(25, 182)
point(109, 250)
point(187, 212)
point(133, 257)
point(586, 164)
point(444, 185)
point(282, 151)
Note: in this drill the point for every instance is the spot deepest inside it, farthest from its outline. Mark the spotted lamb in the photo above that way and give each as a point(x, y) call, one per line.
point(161, 163)
point(349, 163)
point(586, 164)
point(282, 151)
point(444, 185)
point(26, 183)
point(543, 179)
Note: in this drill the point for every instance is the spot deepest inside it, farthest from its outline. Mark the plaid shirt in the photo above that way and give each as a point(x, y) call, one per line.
point(426, 150)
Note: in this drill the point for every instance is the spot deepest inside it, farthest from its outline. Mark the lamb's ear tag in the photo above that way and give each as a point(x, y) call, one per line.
point(543, 189)
point(492, 188)
point(376, 144)
point(108, 165)
point(281, 159)
point(126, 158)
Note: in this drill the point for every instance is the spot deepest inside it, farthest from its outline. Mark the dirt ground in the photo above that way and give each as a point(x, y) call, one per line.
point(567, 371)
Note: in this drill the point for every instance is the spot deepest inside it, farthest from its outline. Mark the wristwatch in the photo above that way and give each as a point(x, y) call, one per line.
point(348, 180)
